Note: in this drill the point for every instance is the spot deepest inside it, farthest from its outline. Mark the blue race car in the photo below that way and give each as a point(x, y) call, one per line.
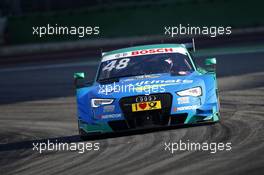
point(145, 87)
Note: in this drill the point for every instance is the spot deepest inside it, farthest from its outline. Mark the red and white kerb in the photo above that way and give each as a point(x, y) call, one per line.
point(144, 52)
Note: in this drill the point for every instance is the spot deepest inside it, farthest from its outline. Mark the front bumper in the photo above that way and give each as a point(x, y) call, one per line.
point(102, 127)
point(172, 113)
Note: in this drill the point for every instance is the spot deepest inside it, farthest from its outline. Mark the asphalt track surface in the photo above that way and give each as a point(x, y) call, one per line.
point(37, 103)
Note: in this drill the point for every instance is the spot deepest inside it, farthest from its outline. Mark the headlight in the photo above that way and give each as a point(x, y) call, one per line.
point(197, 91)
point(96, 102)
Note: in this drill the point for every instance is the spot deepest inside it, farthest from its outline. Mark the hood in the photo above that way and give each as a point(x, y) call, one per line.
point(147, 84)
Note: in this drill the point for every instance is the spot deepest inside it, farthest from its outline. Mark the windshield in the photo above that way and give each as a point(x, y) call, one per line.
point(176, 63)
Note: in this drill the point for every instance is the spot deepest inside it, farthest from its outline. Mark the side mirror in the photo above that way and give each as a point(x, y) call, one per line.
point(210, 64)
point(78, 76)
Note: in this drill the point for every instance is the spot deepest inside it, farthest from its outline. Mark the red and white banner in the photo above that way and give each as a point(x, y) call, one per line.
point(145, 52)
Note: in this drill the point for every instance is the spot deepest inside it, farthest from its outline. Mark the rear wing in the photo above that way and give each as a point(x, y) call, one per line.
point(190, 46)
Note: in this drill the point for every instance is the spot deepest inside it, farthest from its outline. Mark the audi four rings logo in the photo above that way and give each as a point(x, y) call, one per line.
point(146, 98)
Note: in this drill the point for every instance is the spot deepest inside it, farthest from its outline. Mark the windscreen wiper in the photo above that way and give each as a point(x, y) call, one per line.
point(108, 80)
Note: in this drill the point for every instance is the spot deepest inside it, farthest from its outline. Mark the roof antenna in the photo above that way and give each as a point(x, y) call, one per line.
point(193, 43)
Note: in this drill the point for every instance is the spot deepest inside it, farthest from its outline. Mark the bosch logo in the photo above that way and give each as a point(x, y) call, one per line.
point(152, 51)
point(146, 98)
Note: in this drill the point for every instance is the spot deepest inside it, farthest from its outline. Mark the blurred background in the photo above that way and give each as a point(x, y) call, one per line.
point(121, 18)
point(132, 18)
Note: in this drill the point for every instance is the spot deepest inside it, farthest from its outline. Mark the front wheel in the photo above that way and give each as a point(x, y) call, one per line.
point(83, 135)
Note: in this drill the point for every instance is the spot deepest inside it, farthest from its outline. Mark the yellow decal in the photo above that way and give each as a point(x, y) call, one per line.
point(145, 106)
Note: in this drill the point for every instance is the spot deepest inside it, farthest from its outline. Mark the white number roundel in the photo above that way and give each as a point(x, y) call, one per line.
point(114, 65)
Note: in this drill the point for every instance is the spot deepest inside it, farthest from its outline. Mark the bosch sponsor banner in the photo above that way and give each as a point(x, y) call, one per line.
point(144, 52)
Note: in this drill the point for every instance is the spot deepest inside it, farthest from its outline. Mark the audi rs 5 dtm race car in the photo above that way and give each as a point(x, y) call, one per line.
point(145, 87)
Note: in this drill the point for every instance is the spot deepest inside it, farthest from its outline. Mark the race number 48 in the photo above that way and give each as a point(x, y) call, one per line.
point(117, 64)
